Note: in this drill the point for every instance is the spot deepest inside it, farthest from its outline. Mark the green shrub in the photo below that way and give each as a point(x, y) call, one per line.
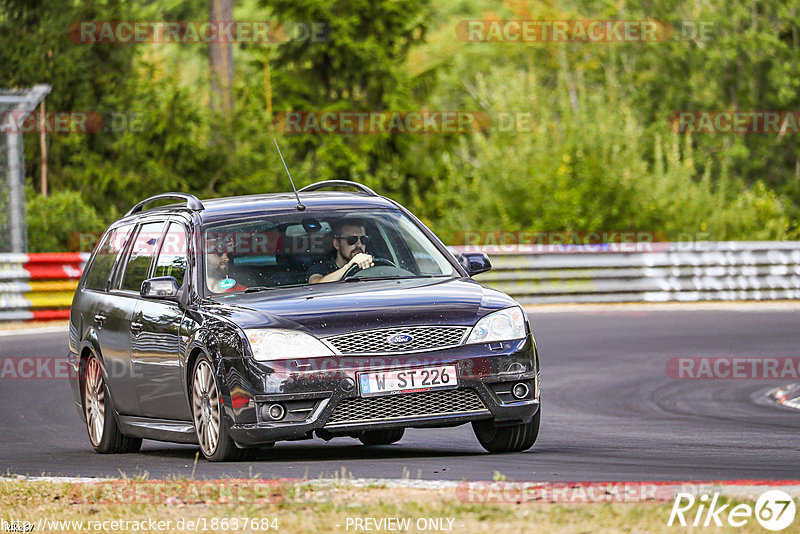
point(55, 222)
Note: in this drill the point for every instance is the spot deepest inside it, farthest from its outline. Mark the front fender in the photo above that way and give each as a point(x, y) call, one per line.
point(218, 339)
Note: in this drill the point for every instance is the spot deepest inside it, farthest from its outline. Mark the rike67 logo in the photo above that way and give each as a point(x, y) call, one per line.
point(774, 510)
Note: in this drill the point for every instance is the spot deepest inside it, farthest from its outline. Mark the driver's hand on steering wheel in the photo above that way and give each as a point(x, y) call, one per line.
point(362, 260)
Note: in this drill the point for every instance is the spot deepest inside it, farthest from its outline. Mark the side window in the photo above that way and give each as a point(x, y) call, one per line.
point(106, 256)
point(172, 259)
point(144, 248)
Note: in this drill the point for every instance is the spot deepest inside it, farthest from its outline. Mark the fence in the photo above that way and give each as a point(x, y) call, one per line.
point(653, 272)
point(13, 230)
point(40, 286)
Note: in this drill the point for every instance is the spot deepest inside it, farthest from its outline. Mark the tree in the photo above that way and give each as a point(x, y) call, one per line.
point(359, 65)
point(220, 61)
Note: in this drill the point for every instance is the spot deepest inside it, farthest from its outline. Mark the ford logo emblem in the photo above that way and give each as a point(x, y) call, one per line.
point(400, 339)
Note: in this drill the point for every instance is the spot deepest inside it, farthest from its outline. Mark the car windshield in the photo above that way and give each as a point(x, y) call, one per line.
point(294, 249)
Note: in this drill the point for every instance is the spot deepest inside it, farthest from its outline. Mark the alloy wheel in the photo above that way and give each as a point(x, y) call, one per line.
point(205, 403)
point(95, 401)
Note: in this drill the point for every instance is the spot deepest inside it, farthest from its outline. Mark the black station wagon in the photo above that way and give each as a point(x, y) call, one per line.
point(234, 323)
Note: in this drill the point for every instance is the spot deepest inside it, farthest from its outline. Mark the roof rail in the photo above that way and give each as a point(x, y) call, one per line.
point(192, 202)
point(339, 183)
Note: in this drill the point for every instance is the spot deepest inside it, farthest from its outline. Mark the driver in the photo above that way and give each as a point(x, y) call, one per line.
point(350, 241)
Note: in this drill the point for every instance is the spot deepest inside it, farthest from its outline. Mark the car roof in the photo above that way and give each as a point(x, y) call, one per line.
point(227, 208)
point(220, 209)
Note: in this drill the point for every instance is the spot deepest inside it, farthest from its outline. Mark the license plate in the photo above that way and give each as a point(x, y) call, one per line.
point(408, 380)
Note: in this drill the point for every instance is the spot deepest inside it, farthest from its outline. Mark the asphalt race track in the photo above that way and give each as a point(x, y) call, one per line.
point(611, 412)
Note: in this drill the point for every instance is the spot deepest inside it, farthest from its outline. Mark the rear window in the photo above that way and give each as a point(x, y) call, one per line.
point(105, 257)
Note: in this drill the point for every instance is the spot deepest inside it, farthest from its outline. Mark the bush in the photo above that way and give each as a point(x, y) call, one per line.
point(54, 222)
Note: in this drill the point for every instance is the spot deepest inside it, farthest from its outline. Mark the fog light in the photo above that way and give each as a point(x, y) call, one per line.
point(276, 412)
point(520, 391)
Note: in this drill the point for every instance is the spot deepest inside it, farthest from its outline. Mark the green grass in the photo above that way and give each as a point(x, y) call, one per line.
point(311, 508)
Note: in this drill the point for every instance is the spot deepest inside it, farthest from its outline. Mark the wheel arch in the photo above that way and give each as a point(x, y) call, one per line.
point(191, 360)
point(86, 353)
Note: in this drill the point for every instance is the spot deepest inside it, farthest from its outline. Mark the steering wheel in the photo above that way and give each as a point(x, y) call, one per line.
point(375, 261)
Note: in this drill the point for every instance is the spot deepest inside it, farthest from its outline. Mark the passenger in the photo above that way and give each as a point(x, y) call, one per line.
point(218, 262)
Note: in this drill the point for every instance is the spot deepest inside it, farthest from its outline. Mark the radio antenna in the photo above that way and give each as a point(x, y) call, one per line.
point(300, 206)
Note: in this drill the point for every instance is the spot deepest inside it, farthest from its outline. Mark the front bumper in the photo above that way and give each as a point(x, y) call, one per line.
point(322, 395)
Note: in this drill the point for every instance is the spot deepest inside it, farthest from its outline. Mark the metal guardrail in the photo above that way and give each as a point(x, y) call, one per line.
point(41, 286)
point(645, 272)
point(38, 287)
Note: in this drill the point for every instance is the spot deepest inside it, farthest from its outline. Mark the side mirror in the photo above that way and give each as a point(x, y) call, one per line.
point(474, 262)
point(160, 287)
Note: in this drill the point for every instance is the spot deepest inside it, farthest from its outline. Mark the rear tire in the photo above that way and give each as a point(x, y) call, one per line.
point(104, 434)
point(382, 437)
point(210, 422)
point(516, 438)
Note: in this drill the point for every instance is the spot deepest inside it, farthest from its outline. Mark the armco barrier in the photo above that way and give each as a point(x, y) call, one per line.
point(38, 287)
point(645, 272)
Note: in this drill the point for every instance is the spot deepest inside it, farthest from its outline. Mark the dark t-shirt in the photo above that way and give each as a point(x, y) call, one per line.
point(323, 268)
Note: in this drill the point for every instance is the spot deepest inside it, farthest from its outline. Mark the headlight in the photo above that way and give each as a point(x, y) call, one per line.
point(503, 325)
point(275, 344)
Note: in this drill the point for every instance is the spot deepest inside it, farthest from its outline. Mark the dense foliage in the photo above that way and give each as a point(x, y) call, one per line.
point(598, 154)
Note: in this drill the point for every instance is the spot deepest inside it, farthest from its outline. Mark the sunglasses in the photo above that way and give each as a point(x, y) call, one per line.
point(220, 249)
point(217, 251)
point(353, 239)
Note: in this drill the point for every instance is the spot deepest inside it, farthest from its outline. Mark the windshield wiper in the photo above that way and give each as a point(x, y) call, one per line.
point(255, 289)
point(394, 277)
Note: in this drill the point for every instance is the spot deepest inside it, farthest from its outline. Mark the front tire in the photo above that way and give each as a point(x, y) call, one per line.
point(210, 423)
point(515, 438)
point(104, 434)
point(382, 437)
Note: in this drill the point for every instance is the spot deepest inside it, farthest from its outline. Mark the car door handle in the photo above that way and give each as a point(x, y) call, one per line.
point(99, 319)
point(136, 327)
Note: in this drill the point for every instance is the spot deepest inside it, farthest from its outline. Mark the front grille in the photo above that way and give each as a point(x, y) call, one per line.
point(407, 405)
point(377, 341)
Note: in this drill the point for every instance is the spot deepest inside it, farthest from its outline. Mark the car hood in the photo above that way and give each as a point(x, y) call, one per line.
point(332, 308)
